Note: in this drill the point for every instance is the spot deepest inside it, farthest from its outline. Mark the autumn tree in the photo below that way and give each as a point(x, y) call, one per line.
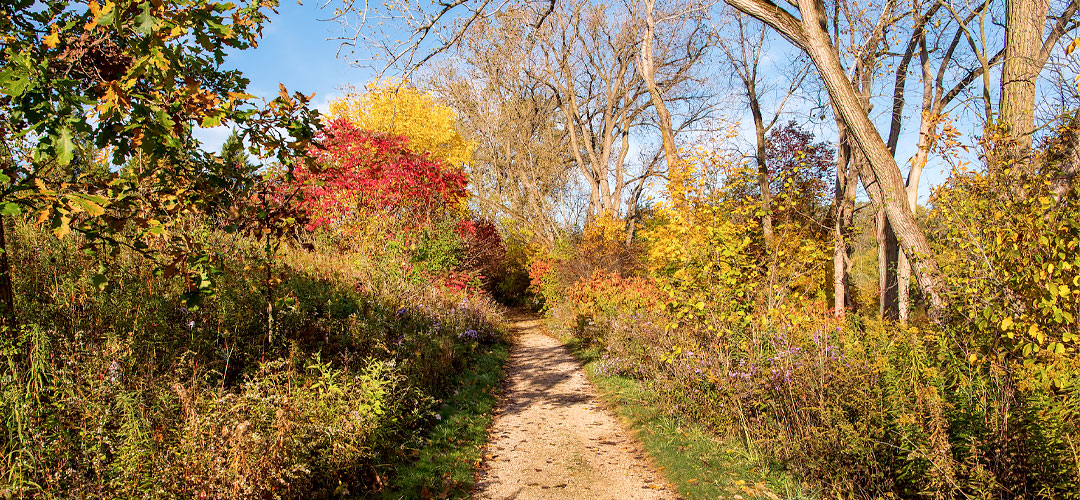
point(363, 173)
point(132, 78)
point(808, 31)
point(521, 170)
point(742, 45)
point(399, 108)
point(935, 46)
point(800, 168)
point(949, 48)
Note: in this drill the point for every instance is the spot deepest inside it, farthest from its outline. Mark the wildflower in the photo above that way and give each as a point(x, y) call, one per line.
point(470, 334)
point(114, 371)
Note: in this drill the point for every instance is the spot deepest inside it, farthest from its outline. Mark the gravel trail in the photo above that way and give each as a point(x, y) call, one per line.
point(551, 437)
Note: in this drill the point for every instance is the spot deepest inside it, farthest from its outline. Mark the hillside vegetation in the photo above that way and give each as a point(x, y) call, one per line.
point(717, 204)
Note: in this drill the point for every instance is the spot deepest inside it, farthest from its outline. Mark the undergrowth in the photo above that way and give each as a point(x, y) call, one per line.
point(445, 464)
point(697, 461)
point(123, 389)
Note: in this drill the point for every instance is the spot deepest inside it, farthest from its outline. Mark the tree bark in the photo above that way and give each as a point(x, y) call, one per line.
point(847, 179)
point(810, 35)
point(765, 192)
point(7, 297)
point(888, 280)
point(1024, 21)
point(646, 66)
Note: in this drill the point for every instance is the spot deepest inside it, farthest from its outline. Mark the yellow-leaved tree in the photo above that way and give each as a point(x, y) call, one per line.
point(399, 108)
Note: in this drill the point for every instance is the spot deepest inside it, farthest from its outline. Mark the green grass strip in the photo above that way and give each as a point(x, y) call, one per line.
point(446, 465)
point(700, 464)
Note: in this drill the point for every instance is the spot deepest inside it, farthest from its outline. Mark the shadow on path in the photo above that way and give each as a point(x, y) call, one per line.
point(552, 439)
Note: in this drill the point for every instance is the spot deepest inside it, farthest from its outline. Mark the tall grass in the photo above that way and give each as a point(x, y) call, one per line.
point(122, 391)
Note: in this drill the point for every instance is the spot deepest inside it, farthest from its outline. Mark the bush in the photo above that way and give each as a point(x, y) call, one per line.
point(985, 405)
point(122, 390)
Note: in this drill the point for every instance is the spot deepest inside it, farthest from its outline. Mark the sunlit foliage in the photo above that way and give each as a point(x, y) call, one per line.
point(398, 108)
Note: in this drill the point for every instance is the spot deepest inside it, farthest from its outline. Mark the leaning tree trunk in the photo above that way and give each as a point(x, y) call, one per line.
point(885, 170)
point(809, 34)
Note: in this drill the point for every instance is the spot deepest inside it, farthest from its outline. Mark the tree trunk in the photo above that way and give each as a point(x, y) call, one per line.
point(809, 34)
point(1024, 21)
point(888, 253)
point(885, 170)
point(646, 66)
point(847, 179)
point(7, 297)
point(903, 267)
point(765, 191)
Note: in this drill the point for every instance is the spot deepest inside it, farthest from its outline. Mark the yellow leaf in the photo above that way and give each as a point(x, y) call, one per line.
point(1006, 323)
point(91, 208)
point(972, 358)
point(397, 107)
point(240, 96)
point(1075, 44)
point(63, 228)
point(53, 38)
point(95, 14)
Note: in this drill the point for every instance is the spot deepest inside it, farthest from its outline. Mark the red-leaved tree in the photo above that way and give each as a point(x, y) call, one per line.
point(799, 174)
point(484, 251)
point(365, 173)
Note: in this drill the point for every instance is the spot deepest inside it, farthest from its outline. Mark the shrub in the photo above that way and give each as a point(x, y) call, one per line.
point(122, 390)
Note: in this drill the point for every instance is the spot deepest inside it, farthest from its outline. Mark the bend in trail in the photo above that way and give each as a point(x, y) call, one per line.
point(552, 439)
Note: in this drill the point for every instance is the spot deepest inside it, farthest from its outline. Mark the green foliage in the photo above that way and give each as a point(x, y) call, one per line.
point(130, 80)
point(446, 462)
point(984, 405)
point(699, 463)
point(512, 283)
point(439, 249)
point(122, 391)
point(1012, 251)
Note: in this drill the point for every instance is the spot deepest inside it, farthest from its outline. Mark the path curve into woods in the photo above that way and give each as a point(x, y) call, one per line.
point(552, 438)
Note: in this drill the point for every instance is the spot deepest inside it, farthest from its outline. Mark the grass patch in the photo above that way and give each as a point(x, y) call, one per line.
point(699, 463)
point(445, 466)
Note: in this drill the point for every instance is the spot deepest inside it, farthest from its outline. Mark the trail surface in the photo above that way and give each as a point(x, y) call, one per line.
point(551, 437)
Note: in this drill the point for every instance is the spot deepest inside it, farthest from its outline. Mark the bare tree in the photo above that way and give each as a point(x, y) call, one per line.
point(521, 168)
point(809, 32)
point(402, 35)
point(588, 57)
point(743, 47)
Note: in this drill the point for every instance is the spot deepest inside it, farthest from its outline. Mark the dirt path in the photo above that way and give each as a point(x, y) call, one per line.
point(552, 439)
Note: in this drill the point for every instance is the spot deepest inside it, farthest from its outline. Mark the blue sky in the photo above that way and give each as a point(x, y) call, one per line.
point(298, 50)
point(294, 51)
